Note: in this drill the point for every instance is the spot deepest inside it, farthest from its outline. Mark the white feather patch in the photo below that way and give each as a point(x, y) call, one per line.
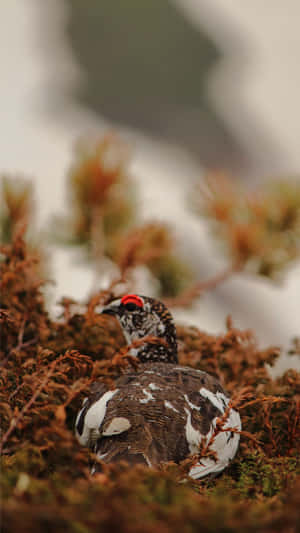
point(148, 397)
point(190, 404)
point(170, 406)
point(152, 386)
point(102, 456)
point(188, 369)
point(193, 436)
point(118, 425)
point(218, 399)
point(94, 418)
point(147, 460)
point(225, 445)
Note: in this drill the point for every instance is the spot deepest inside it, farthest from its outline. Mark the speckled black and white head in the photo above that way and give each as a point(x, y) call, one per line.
point(141, 316)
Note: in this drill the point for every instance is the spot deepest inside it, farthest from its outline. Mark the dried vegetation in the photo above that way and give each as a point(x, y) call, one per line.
point(48, 365)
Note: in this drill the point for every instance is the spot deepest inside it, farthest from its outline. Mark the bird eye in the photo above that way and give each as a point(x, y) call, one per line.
point(131, 306)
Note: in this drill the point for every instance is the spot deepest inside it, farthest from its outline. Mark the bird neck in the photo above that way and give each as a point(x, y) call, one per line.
point(164, 351)
point(154, 352)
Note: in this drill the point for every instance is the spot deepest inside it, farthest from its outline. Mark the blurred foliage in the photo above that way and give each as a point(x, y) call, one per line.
point(47, 367)
point(100, 193)
point(260, 229)
point(104, 217)
point(16, 206)
point(152, 245)
point(173, 275)
point(17, 214)
point(295, 350)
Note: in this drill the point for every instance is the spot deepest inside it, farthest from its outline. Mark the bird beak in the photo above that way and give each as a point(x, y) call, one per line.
point(112, 310)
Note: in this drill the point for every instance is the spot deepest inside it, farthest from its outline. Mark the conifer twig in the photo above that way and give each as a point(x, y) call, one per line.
point(187, 296)
point(15, 421)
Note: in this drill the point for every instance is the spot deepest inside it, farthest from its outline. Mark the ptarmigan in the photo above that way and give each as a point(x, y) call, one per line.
point(162, 411)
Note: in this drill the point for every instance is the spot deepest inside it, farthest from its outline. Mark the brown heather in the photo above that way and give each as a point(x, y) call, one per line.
point(47, 366)
point(46, 369)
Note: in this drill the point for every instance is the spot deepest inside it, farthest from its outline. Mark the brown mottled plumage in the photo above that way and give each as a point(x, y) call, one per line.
point(162, 411)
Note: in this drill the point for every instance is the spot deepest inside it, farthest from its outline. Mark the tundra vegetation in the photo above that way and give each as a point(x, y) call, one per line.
point(48, 364)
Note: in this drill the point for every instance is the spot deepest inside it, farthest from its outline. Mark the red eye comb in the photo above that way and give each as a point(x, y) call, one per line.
point(132, 299)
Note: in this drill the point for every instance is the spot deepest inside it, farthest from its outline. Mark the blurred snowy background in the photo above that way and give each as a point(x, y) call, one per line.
point(191, 85)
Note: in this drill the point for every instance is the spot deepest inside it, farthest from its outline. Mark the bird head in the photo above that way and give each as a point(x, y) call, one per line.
point(142, 316)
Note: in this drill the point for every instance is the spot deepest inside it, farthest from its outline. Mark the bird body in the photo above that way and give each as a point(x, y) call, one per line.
point(161, 411)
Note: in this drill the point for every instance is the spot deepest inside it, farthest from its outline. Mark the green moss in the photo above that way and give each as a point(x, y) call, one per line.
point(260, 475)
